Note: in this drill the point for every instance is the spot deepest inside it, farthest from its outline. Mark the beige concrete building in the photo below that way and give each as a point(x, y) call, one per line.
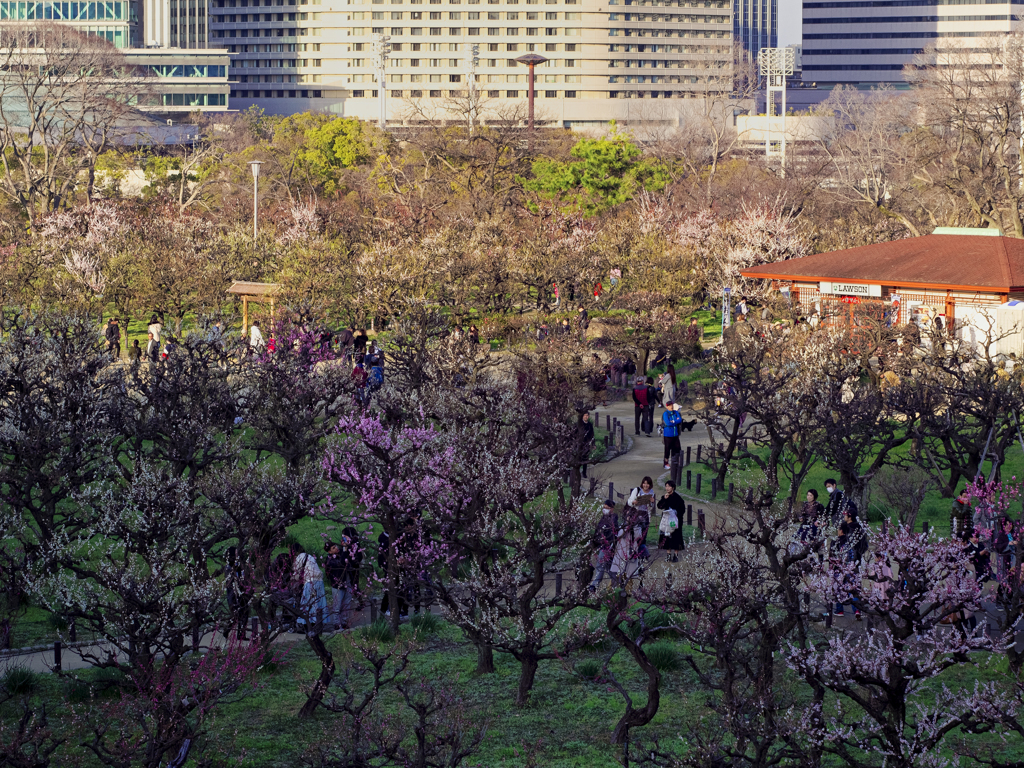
point(604, 56)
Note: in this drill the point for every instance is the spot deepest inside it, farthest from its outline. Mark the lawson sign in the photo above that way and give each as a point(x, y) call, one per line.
point(850, 289)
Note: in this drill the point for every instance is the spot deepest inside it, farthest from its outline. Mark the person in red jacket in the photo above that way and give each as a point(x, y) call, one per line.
point(640, 404)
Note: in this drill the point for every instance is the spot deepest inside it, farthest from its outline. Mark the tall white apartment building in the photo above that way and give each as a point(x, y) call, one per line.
point(607, 59)
point(868, 42)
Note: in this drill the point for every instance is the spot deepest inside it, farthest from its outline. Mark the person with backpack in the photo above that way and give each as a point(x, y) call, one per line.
point(670, 421)
point(640, 403)
point(375, 380)
point(605, 536)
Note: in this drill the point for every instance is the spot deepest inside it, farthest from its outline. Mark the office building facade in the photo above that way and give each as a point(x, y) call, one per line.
point(755, 25)
point(602, 58)
point(861, 43)
point(165, 39)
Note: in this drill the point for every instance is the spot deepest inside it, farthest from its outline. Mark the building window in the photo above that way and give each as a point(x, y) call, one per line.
point(396, 94)
point(550, 16)
point(550, 46)
point(512, 94)
point(455, 31)
point(511, 46)
point(512, 32)
point(454, 78)
point(435, 94)
point(416, 94)
point(358, 94)
point(570, 94)
point(435, 31)
point(550, 94)
point(455, 15)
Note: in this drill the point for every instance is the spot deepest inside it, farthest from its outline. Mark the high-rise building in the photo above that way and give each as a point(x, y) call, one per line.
point(755, 25)
point(166, 39)
point(602, 57)
point(868, 43)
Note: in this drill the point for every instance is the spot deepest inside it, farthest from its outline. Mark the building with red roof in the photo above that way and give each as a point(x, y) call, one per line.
point(952, 274)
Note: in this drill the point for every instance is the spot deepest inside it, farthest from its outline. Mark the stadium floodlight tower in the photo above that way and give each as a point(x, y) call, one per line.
point(381, 49)
point(776, 65)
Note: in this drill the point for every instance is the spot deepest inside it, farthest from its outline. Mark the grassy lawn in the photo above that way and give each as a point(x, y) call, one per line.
point(567, 724)
point(935, 508)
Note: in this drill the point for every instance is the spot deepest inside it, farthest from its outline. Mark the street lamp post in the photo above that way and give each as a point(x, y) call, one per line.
point(381, 49)
point(255, 166)
point(531, 60)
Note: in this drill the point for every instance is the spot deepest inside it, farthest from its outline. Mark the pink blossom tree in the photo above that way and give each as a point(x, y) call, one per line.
point(889, 707)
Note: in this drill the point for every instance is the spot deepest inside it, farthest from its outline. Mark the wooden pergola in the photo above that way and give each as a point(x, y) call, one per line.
point(259, 292)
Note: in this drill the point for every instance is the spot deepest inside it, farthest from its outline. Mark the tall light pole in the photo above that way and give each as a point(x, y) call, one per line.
point(255, 166)
point(471, 57)
point(381, 49)
point(531, 60)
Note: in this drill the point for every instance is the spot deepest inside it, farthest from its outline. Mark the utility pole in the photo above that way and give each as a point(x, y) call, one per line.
point(470, 60)
point(381, 49)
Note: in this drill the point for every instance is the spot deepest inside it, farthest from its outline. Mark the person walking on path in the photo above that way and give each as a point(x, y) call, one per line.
point(585, 435)
point(960, 515)
point(582, 321)
point(113, 336)
point(342, 574)
point(135, 352)
point(670, 421)
point(640, 404)
point(256, 342)
point(152, 348)
point(626, 554)
point(668, 386)
point(156, 328)
point(605, 536)
point(652, 399)
point(670, 532)
point(313, 603)
point(642, 500)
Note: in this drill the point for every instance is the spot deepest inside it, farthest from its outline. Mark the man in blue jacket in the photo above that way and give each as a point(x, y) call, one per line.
point(671, 419)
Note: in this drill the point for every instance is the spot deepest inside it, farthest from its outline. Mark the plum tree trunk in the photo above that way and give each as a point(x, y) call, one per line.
point(323, 682)
point(484, 659)
point(527, 673)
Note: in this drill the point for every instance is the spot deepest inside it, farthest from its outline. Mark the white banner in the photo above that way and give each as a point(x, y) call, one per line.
point(850, 289)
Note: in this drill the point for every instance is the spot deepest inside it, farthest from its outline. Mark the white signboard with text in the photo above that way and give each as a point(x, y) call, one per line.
point(850, 289)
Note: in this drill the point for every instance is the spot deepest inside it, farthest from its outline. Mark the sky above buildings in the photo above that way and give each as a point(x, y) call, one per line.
point(790, 19)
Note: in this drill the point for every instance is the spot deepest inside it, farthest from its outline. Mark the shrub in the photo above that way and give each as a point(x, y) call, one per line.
point(664, 657)
point(19, 681)
point(588, 669)
point(426, 623)
point(379, 630)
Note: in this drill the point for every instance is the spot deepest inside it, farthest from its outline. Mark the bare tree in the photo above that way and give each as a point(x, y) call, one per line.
point(968, 95)
point(62, 95)
point(872, 156)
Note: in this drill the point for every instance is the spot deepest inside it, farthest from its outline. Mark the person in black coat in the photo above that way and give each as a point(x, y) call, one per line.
point(670, 531)
point(585, 435)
